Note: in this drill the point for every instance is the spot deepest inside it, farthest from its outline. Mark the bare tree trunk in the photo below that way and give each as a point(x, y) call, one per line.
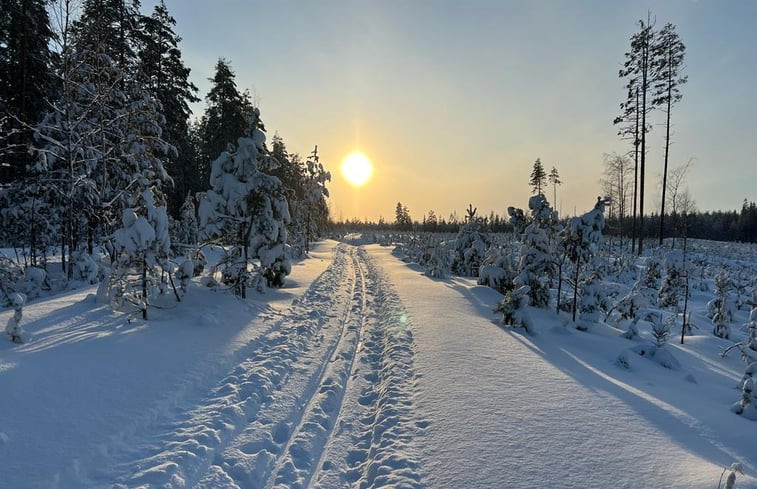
point(635, 174)
point(575, 289)
point(665, 167)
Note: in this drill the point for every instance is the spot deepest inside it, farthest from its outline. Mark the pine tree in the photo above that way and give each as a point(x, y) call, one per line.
point(554, 180)
point(638, 72)
point(538, 177)
point(26, 80)
point(667, 63)
point(164, 74)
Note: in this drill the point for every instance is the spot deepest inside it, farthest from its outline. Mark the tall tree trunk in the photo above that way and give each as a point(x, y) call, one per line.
point(635, 174)
point(645, 69)
point(665, 167)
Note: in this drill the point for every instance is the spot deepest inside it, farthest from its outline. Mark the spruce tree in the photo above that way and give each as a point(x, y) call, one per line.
point(164, 74)
point(226, 116)
point(538, 177)
point(26, 80)
point(667, 54)
point(247, 210)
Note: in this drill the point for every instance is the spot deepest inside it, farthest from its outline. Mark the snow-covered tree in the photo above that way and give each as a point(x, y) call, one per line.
point(747, 405)
point(718, 309)
point(499, 269)
point(10, 277)
point(246, 209)
point(314, 198)
point(513, 307)
point(673, 284)
point(537, 265)
point(13, 328)
point(188, 230)
point(142, 245)
point(581, 239)
point(470, 246)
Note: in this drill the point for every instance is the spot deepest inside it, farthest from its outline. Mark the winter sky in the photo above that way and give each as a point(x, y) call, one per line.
point(454, 100)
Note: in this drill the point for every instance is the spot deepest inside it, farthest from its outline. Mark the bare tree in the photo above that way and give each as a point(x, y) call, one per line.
point(616, 185)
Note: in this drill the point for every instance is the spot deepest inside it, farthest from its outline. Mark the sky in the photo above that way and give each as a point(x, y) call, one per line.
point(453, 101)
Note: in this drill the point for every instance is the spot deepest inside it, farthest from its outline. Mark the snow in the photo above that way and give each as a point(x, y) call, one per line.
point(361, 372)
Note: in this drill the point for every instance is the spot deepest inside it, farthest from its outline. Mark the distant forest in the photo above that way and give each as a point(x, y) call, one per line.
point(715, 225)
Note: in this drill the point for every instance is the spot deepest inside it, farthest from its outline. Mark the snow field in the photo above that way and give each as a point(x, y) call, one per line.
point(553, 410)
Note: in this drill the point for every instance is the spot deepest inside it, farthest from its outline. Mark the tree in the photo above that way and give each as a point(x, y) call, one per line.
point(637, 70)
point(225, 119)
point(26, 80)
point(537, 267)
point(247, 210)
point(402, 218)
point(581, 239)
point(614, 184)
point(538, 177)
point(315, 194)
point(164, 74)
point(554, 180)
point(667, 63)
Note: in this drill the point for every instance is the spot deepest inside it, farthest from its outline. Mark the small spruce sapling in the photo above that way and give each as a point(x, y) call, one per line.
point(747, 405)
point(513, 307)
point(537, 266)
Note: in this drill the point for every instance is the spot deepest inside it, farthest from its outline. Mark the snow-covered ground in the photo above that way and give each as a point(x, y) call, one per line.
point(361, 372)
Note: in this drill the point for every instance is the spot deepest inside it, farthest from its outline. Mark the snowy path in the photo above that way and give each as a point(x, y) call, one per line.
point(330, 374)
point(502, 414)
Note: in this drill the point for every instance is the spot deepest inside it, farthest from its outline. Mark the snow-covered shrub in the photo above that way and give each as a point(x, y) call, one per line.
point(747, 405)
point(498, 270)
point(247, 209)
point(730, 481)
point(652, 273)
point(673, 285)
point(513, 307)
point(593, 299)
point(438, 265)
point(85, 267)
point(721, 323)
point(184, 273)
point(13, 329)
point(752, 329)
point(470, 247)
point(537, 265)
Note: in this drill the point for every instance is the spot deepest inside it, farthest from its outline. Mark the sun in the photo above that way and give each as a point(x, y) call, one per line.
point(357, 169)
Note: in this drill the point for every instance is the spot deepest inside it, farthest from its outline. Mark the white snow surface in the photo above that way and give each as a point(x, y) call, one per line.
point(361, 372)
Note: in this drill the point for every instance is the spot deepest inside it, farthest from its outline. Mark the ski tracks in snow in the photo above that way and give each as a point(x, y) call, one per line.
point(323, 399)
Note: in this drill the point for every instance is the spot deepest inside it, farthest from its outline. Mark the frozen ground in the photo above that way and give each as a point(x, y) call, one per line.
point(362, 372)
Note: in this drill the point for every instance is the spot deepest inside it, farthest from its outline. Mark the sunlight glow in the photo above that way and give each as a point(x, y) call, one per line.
point(357, 169)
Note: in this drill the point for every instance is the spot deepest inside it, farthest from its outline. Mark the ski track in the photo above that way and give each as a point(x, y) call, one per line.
point(324, 398)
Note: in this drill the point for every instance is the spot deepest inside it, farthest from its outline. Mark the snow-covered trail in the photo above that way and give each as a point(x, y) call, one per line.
point(503, 413)
point(324, 398)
